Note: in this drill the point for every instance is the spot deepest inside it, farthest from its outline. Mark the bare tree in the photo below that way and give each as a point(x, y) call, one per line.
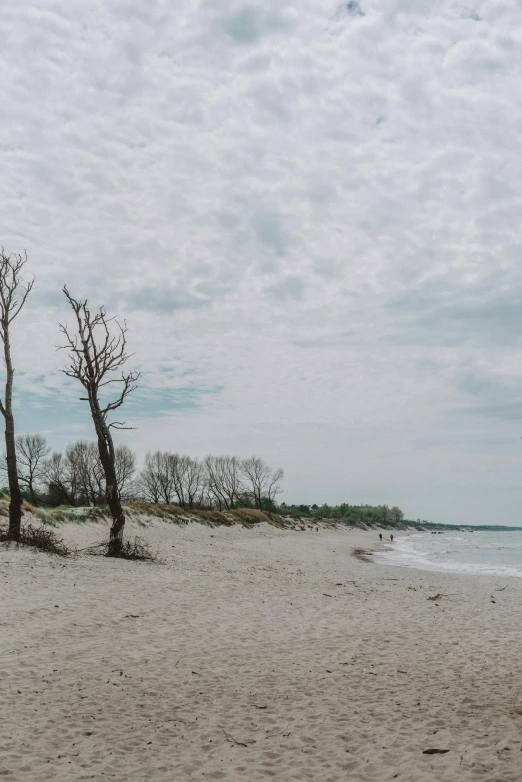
point(95, 354)
point(31, 450)
point(188, 478)
point(13, 294)
point(194, 480)
point(177, 466)
point(157, 477)
point(149, 479)
point(57, 478)
point(85, 472)
point(259, 481)
point(125, 463)
point(273, 488)
point(223, 479)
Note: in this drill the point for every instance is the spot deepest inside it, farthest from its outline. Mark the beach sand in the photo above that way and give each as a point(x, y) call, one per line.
point(255, 654)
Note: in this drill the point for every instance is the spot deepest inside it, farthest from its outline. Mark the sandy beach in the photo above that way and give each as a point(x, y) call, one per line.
point(255, 654)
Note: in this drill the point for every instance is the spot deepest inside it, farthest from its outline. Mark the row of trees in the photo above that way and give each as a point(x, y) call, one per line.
point(374, 514)
point(222, 482)
point(76, 477)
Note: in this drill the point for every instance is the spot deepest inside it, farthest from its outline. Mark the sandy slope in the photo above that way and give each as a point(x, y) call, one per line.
point(254, 654)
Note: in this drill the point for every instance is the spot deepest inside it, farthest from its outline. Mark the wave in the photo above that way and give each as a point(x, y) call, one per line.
point(461, 556)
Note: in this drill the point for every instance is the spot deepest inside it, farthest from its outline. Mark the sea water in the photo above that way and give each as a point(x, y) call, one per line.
point(489, 553)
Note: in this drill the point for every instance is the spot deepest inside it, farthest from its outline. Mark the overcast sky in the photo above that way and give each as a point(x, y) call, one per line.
point(309, 214)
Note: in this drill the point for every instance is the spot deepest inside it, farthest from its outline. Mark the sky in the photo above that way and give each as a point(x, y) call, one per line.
point(309, 215)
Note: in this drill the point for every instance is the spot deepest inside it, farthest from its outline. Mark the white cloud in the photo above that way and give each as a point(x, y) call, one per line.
point(312, 207)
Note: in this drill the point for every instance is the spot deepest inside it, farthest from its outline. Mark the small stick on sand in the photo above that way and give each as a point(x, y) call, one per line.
point(232, 740)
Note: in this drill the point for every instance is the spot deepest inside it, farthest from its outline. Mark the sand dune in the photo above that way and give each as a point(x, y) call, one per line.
point(255, 654)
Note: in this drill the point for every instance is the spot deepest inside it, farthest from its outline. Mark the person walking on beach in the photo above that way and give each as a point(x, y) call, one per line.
point(391, 538)
point(380, 535)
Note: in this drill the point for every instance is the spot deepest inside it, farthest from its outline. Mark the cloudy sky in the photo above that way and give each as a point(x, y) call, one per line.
point(309, 214)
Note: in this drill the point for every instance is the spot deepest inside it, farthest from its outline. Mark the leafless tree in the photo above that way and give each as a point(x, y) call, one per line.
point(95, 355)
point(223, 480)
point(273, 488)
point(168, 467)
point(149, 483)
point(57, 478)
point(259, 481)
point(158, 476)
point(85, 472)
point(125, 462)
point(187, 478)
point(13, 295)
point(31, 451)
point(194, 481)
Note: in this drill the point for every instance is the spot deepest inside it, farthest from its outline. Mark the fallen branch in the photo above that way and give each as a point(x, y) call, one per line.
point(136, 550)
point(42, 538)
point(232, 740)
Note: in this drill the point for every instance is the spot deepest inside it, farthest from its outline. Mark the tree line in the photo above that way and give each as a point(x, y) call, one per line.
point(76, 477)
point(373, 514)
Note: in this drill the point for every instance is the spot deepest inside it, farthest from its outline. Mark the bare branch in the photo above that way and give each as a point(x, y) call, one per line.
point(96, 351)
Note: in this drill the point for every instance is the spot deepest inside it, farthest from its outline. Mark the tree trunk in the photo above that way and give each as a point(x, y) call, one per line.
point(30, 486)
point(15, 506)
point(107, 458)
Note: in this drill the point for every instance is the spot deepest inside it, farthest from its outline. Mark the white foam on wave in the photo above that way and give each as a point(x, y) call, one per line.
point(421, 552)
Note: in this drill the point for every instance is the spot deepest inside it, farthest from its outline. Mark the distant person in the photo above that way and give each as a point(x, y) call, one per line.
point(391, 538)
point(380, 535)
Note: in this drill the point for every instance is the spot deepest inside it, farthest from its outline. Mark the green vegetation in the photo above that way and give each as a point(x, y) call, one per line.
point(363, 514)
point(377, 515)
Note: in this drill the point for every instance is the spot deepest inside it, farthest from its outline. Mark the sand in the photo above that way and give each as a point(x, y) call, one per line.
point(255, 654)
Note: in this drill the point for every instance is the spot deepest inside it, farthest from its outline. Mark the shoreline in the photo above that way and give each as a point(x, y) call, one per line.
point(253, 653)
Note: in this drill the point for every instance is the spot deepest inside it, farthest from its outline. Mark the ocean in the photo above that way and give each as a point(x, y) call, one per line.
point(487, 553)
